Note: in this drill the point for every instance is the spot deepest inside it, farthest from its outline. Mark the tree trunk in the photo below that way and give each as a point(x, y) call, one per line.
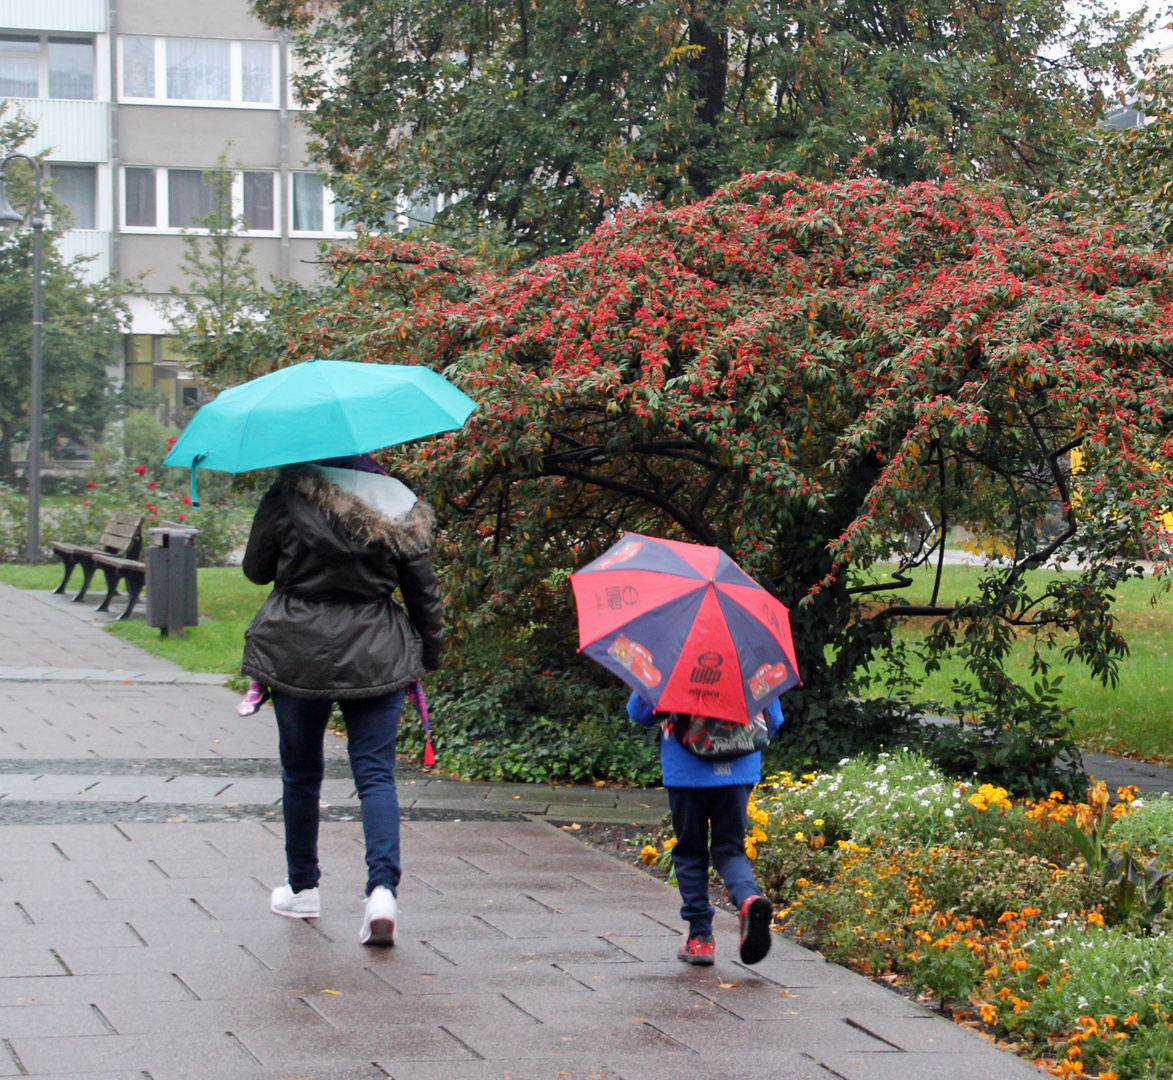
point(710, 73)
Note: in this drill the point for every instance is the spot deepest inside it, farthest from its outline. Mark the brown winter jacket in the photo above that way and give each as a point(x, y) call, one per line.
point(331, 627)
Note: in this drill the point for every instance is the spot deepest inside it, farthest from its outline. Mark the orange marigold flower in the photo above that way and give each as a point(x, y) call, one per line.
point(988, 1013)
point(1095, 918)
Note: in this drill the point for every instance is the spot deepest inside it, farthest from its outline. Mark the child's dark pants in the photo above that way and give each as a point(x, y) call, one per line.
point(710, 828)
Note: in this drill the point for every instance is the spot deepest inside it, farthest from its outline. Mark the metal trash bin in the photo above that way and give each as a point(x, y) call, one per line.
point(172, 601)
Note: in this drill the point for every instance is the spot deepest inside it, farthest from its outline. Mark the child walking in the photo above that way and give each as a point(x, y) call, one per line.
point(708, 800)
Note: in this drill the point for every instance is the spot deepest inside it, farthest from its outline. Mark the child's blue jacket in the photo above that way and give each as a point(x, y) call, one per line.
point(682, 769)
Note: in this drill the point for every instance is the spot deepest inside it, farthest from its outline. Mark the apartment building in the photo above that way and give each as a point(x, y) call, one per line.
point(134, 100)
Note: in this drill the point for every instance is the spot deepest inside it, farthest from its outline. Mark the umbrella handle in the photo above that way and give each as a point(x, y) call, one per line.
point(195, 495)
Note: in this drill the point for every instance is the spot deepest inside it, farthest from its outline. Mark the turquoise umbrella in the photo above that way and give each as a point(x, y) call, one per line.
point(318, 409)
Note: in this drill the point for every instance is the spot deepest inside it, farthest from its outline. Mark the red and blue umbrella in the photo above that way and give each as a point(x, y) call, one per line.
point(685, 627)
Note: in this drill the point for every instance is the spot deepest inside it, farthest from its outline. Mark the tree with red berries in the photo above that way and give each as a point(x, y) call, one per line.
point(819, 378)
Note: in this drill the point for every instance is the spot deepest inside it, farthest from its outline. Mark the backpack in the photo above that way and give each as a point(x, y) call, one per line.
point(711, 739)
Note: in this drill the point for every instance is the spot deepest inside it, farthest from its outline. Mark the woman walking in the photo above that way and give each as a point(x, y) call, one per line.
point(337, 538)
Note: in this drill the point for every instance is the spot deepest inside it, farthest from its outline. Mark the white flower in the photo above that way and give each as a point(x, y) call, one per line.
point(948, 813)
point(1082, 1002)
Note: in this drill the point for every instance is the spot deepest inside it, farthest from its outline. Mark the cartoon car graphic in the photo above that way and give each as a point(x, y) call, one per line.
point(628, 551)
point(766, 678)
point(636, 659)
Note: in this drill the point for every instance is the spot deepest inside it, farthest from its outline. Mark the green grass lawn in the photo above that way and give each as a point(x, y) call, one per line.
point(228, 601)
point(1136, 717)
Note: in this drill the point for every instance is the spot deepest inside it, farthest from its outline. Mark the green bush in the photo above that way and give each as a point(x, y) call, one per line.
point(223, 526)
point(146, 442)
point(502, 714)
point(1149, 828)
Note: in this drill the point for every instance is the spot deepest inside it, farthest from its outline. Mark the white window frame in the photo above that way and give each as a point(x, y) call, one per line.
point(43, 61)
point(235, 77)
point(162, 203)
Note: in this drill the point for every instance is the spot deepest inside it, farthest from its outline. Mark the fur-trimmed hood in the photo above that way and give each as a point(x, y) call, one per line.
point(412, 534)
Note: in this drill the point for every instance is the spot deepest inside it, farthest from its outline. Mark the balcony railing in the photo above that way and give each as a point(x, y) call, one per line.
point(88, 242)
point(77, 15)
point(77, 131)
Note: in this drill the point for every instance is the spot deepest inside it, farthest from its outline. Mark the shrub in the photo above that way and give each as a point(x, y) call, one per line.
point(500, 713)
point(1149, 828)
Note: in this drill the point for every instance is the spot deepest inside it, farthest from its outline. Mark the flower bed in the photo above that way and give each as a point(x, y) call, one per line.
point(1041, 924)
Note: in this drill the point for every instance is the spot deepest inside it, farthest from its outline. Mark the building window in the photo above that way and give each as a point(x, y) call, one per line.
point(141, 198)
point(203, 71)
point(316, 209)
point(138, 67)
point(198, 70)
point(256, 72)
point(76, 187)
point(190, 197)
point(308, 202)
point(71, 69)
point(45, 65)
point(258, 201)
point(20, 65)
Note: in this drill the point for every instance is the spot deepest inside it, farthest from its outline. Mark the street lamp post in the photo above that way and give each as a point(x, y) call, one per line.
point(11, 218)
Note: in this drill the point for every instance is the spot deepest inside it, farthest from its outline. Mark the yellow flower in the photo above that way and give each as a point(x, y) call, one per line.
point(668, 845)
point(799, 836)
point(751, 850)
point(818, 823)
point(1097, 799)
point(649, 854)
point(757, 835)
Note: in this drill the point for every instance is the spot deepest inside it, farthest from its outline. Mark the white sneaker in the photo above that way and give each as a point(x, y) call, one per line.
point(378, 925)
point(306, 904)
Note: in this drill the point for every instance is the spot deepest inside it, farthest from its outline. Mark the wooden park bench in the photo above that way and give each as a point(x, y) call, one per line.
point(122, 540)
point(130, 572)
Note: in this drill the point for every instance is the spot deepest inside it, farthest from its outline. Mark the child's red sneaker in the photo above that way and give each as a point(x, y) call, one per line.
point(697, 950)
point(756, 915)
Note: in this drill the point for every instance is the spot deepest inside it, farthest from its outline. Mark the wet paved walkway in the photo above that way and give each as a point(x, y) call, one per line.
point(138, 824)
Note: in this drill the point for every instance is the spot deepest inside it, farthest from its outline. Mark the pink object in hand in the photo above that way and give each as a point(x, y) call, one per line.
point(252, 701)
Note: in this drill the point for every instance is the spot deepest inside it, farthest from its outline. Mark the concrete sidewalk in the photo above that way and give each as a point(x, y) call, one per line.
point(140, 838)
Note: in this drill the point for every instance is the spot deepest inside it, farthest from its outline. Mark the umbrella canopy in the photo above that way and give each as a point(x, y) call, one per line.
point(686, 627)
point(318, 409)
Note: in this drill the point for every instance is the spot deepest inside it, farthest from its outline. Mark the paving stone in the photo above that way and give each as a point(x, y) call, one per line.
point(22, 963)
point(302, 1048)
point(59, 989)
point(621, 1039)
point(86, 1055)
point(191, 1016)
point(45, 1021)
point(924, 1034)
point(975, 1065)
point(565, 1067)
point(804, 1034)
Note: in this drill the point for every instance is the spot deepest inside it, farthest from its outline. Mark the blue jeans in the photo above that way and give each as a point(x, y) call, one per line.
point(698, 813)
point(371, 727)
